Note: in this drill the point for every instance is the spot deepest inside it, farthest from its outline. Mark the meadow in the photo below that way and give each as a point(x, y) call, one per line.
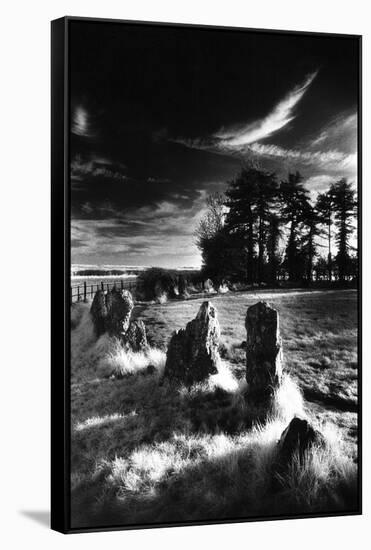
point(147, 451)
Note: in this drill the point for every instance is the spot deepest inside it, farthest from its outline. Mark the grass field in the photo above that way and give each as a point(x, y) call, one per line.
point(144, 451)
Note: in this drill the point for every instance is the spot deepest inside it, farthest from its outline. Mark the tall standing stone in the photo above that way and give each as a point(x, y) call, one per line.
point(193, 354)
point(111, 312)
point(98, 312)
point(263, 353)
point(119, 307)
point(135, 337)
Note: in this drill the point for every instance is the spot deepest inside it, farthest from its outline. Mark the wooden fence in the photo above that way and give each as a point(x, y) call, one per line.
point(84, 291)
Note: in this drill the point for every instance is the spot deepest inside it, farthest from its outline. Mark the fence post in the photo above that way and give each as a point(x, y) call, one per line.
point(122, 284)
point(84, 291)
point(78, 293)
point(71, 294)
point(102, 285)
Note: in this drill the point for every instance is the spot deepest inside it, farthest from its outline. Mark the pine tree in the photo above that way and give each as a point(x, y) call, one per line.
point(250, 198)
point(324, 207)
point(310, 230)
point(274, 235)
point(344, 205)
point(295, 201)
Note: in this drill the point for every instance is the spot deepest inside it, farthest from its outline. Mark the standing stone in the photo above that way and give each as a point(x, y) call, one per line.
point(119, 306)
point(296, 439)
point(135, 337)
point(208, 286)
point(193, 354)
point(99, 312)
point(263, 353)
point(111, 312)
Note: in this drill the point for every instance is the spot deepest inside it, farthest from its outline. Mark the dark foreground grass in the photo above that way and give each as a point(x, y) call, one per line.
point(143, 451)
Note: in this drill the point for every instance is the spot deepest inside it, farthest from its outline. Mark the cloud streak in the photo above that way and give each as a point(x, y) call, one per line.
point(231, 139)
point(333, 159)
point(281, 115)
point(80, 124)
point(95, 167)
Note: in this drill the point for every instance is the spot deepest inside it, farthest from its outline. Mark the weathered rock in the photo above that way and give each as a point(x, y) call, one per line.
point(99, 312)
point(119, 307)
point(193, 354)
point(296, 440)
point(111, 312)
point(223, 289)
point(297, 437)
point(135, 337)
point(263, 353)
point(208, 286)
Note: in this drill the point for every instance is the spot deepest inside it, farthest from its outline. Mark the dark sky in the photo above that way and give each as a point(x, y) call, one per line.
point(162, 116)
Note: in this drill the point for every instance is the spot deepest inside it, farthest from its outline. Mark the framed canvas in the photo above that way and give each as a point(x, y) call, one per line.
point(206, 188)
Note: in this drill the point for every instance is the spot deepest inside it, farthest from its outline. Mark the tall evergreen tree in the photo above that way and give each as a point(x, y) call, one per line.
point(310, 230)
point(344, 205)
point(295, 201)
point(324, 207)
point(274, 235)
point(249, 199)
point(241, 217)
point(210, 237)
point(267, 191)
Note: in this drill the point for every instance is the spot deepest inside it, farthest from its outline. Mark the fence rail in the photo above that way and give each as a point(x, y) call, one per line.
point(84, 291)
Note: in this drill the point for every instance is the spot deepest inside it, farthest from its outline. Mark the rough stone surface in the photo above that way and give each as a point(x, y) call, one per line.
point(263, 353)
point(119, 306)
point(193, 354)
point(223, 289)
point(99, 312)
point(208, 286)
point(111, 312)
point(297, 438)
point(135, 337)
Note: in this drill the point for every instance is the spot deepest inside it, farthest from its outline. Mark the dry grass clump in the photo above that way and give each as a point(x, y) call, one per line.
point(119, 362)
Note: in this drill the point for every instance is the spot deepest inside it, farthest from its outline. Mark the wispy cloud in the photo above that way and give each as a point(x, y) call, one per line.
point(319, 182)
point(281, 115)
point(231, 139)
point(333, 159)
point(340, 132)
point(81, 124)
point(332, 150)
point(95, 167)
point(152, 179)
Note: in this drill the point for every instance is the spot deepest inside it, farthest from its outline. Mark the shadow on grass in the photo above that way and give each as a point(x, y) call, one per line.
point(334, 402)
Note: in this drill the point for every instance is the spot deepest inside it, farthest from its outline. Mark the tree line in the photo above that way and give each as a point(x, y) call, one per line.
point(262, 230)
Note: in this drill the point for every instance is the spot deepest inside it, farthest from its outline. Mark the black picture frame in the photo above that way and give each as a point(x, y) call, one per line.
point(60, 274)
